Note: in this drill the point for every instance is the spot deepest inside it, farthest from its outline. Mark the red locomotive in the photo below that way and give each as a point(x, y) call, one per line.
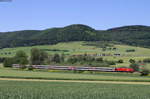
point(124, 70)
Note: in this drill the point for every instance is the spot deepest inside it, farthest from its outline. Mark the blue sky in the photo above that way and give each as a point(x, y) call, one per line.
point(99, 14)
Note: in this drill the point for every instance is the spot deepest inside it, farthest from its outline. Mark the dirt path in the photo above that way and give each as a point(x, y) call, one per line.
point(76, 81)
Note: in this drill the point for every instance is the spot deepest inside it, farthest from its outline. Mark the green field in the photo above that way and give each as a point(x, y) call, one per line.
point(80, 48)
point(75, 48)
point(100, 76)
point(71, 90)
point(60, 90)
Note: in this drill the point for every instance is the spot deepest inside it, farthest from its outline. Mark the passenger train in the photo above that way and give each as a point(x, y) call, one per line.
point(76, 68)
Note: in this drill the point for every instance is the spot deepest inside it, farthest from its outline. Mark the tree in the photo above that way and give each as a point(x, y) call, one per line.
point(35, 56)
point(43, 57)
point(62, 57)
point(132, 61)
point(56, 58)
point(21, 58)
point(120, 61)
point(8, 62)
point(2, 59)
point(38, 56)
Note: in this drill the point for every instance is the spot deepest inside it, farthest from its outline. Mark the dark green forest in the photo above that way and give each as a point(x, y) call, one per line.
point(136, 35)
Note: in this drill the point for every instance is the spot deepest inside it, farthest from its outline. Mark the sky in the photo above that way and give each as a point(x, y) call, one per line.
point(99, 14)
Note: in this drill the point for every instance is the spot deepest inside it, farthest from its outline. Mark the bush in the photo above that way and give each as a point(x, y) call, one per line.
point(147, 60)
point(120, 61)
point(144, 72)
point(99, 65)
point(130, 50)
point(140, 61)
point(72, 60)
point(2, 59)
point(132, 61)
point(30, 68)
point(100, 59)
point(134, 66)
point(111, 62)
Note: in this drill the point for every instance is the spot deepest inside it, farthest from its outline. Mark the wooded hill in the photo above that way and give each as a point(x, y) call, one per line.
point(136, 35)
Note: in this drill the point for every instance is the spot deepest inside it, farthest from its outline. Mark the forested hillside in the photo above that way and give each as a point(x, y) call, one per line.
point(133, 35)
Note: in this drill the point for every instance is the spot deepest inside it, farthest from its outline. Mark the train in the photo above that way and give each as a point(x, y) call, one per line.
point(78, 68)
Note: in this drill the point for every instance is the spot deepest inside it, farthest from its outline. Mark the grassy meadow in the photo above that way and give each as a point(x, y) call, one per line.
point(54, 75)
point(61, 90)
point(76, 48)
point(79, 48)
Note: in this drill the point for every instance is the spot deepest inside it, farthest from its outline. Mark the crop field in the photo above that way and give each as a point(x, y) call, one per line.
point(61, 90)
point(75, 48)
point(101, 76)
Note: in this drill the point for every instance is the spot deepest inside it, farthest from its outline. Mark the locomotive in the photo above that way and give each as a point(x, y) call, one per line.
point(124, 70)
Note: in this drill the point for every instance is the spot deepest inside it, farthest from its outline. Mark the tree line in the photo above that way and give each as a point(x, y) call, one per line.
point(40, 57)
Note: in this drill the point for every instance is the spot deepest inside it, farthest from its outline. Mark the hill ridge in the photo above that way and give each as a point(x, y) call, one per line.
point(137, 35)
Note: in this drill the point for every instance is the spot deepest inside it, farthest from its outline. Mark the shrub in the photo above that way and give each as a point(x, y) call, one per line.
point(134, 66)
point(99, 59)
point(132, 61)
point(120, 61)
point(147, 60)
point(30, 68)
point(140, 61)
point(130, 50)
point(72, 60)
point(99, 65)
point(111, 62)
point(145, 72)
